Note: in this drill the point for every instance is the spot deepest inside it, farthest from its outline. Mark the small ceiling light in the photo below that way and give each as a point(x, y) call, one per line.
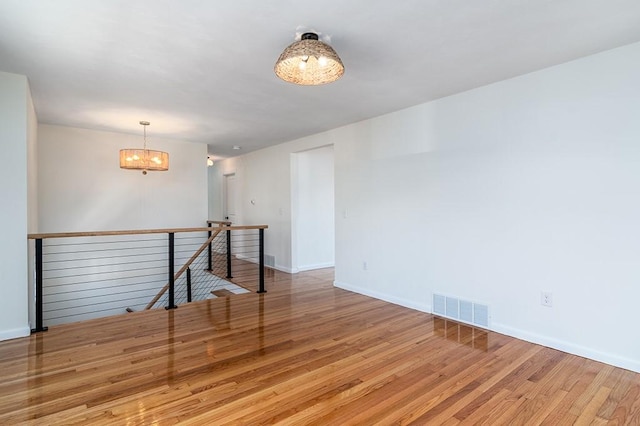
point(144, 159)
point(309, 62)
point(236, 147)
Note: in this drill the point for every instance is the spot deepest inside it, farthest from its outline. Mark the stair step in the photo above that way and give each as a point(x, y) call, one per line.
point(222, 293)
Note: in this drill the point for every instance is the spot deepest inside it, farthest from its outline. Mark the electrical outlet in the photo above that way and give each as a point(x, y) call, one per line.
point(546, 299)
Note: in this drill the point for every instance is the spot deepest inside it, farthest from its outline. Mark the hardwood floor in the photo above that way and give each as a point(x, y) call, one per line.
point(304, 353)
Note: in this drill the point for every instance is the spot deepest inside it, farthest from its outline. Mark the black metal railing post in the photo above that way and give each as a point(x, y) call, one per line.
point(171, 304)
point(189, 285)
point(229, 254)
point(261, 255)
point(39, 319)
point(210, 262)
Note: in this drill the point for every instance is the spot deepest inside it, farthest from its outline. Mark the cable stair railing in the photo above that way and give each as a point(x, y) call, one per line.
point(185, 267)
point(203, 276)
point(85, 275)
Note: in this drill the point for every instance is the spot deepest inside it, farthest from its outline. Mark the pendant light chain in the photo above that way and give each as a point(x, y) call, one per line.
point(144, 127)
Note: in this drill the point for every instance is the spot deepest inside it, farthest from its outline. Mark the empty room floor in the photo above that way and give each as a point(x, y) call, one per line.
point(303, 353)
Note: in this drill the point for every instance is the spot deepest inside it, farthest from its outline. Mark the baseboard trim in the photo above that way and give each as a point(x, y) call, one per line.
point(607, 358)
point(255, 261)
point(611, 359)
point(15, 333)
point(283, 269)
point(316, 266)
point(407, 303)
point(300, 269)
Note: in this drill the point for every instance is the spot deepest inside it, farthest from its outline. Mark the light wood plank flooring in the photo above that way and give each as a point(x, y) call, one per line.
point(304, 353)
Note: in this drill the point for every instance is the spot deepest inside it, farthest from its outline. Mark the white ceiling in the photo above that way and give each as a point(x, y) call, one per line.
point(202, 70)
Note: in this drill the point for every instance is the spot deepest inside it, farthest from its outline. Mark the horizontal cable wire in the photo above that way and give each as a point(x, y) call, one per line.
point(86, 278)
point(63, 242)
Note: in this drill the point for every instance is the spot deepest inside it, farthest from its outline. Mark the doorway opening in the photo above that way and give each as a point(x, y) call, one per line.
point(312, 209)
point(229, 197)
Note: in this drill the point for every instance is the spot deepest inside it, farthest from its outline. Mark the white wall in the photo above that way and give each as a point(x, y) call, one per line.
point(493, 195)
point(265, 177)
point(32, 198)
point(502, 192)
point(215, 182)
point(82, 188)
point(313, 222)
point(16, 126)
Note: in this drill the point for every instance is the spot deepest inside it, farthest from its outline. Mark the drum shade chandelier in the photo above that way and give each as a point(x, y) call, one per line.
point(144, 159)
point(309, 62)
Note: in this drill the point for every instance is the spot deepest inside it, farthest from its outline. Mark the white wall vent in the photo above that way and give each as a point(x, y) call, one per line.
point(461, 310)
point(439, 305)
point(466, 311)
point(269, 260)
point(481, 315)
point(452, 308)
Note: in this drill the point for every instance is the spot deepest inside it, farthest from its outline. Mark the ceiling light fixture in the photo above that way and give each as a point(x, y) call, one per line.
point(144, 159)
point(309, 62)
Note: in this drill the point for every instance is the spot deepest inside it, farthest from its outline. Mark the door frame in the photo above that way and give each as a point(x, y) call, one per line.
point(225, 195)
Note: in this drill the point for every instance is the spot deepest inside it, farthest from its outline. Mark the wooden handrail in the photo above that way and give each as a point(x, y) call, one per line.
point(214, 234)
point(220, 222)
point(140, 232)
